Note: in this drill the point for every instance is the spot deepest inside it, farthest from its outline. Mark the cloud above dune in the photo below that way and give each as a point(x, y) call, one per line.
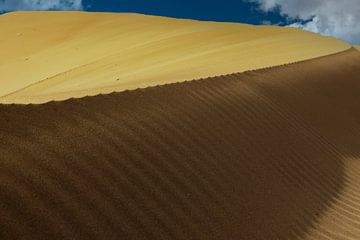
point(328, 17)
point(28, 5)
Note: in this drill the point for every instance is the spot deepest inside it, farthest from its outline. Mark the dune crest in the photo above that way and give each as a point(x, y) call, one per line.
point(267, 154)
point(58, 55)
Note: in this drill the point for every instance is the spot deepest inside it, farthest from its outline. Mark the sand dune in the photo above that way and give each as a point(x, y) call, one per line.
point(54, 56)
point(357, 47)
point(268, 154)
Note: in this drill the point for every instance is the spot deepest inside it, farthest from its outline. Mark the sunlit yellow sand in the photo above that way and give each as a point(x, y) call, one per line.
point(58, 55)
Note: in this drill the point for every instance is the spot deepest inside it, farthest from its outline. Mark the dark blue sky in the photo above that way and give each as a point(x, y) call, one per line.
point(215, 10)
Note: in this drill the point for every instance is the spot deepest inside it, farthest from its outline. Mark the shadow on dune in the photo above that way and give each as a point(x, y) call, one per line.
point(258, 155)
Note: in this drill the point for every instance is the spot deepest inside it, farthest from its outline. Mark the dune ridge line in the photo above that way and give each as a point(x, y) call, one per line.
point(185, 81)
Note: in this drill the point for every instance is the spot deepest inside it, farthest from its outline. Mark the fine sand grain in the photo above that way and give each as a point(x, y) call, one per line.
point(58, 55)
point(267, 154)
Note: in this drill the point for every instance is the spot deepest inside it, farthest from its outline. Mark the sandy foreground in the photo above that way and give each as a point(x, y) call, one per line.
point(267, 154)
point(58, 55)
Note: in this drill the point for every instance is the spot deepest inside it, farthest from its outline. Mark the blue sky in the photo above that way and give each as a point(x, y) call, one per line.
point(327, 17)
point(225, 10)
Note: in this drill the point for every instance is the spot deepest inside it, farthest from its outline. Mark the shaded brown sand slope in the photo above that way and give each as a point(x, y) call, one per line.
point(271, 154)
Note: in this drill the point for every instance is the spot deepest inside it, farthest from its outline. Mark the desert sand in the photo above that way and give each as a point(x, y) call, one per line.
point(266, 154)
point(357, 47)
point(58, 55)
point(224, 152)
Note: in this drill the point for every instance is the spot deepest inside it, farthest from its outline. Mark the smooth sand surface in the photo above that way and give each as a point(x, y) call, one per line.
point(267, 154)
point(58, 55)
point(357, 47)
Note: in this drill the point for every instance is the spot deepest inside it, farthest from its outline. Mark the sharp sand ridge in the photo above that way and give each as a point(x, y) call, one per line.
point(268, 154)
point(58, 55)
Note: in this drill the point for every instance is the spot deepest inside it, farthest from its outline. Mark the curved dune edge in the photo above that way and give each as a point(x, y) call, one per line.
point(11, 100)
point(58, 55)
point(269, 154)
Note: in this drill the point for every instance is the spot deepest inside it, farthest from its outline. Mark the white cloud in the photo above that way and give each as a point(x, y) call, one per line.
point(27, 5)
point(327, 17)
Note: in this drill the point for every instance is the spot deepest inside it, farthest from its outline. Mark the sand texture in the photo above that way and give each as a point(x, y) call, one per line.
point(267, 154)
point(357, 47)
point(58, 55)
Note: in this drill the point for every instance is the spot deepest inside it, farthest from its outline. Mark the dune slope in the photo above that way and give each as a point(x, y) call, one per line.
point(58, 55)
point(268, 154)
